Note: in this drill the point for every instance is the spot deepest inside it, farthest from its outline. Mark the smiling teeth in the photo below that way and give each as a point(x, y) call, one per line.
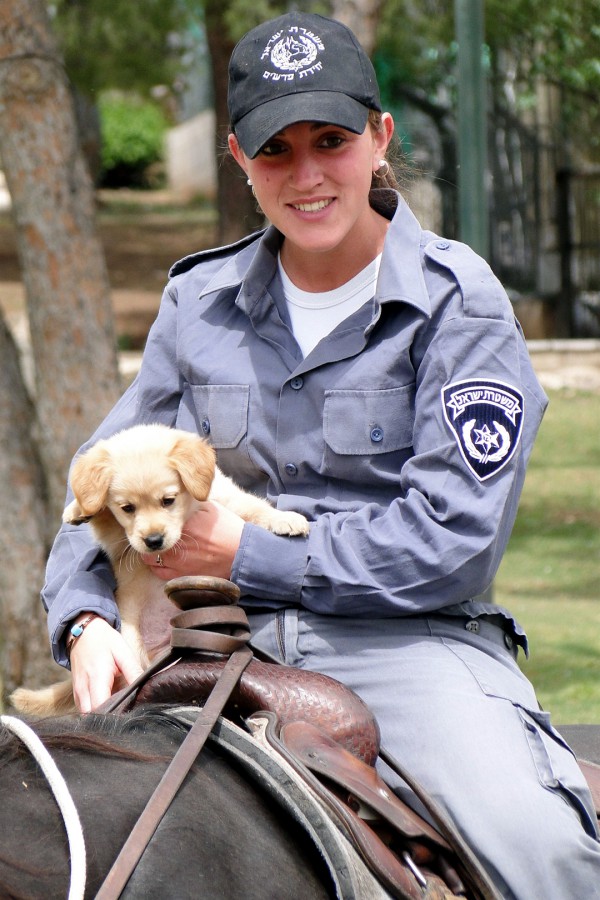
point(312, 207)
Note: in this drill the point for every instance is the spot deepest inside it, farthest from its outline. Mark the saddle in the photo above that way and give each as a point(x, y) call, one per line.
point(321, 731)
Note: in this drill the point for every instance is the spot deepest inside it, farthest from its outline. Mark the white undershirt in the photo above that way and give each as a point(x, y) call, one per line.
point(315, 315)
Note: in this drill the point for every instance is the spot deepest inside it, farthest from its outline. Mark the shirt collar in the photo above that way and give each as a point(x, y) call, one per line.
point(400, 279)
point(401, 275)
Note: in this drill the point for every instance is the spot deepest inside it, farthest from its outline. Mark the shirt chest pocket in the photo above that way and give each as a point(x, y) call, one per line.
point(361, 425)
point(220, 413)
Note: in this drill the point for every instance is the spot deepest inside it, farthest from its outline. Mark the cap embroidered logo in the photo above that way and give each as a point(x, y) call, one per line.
point(294, 53)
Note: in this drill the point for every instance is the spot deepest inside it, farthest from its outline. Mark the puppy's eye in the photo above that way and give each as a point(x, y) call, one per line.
point(128, 508)
point(168, 501)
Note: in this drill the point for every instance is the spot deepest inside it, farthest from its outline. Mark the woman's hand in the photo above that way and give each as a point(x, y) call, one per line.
point(208, 544)
point(98, 658)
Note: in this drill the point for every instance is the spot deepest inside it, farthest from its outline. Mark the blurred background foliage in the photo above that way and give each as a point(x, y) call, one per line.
point(152, 48)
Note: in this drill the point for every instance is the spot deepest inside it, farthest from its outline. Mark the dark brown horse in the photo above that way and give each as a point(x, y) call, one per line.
point(221, 838)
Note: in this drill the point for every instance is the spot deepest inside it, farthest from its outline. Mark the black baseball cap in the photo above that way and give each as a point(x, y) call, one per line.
point(300, 67)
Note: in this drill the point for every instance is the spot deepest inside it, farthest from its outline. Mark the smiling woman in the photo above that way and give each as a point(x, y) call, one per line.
point(312, 182)
point(351, 367)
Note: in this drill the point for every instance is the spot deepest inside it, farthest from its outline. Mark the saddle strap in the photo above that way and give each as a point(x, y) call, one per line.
point(477, 876)
point(402, 876)
point(174, 776)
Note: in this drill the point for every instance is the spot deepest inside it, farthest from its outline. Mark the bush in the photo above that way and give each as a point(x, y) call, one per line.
point(133, 133)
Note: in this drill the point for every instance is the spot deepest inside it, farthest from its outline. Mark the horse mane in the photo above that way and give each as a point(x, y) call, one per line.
point(94, 733)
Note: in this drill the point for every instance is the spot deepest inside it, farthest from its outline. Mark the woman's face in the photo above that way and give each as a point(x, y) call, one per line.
point(312, 182)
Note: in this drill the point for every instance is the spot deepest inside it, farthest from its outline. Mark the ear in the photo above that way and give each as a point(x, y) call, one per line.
point(237, 152)
point(90, 479)
point(382, 138)
point(194, 460)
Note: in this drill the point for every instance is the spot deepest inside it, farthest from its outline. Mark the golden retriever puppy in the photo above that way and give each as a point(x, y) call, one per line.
point(137, 489)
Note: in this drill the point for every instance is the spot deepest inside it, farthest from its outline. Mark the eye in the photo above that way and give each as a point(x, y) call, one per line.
point(128, 508)
point(272, 148)
point(332, 141)
point(167, 501)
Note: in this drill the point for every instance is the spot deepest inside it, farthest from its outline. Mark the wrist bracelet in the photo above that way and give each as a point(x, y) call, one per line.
point(75, 631)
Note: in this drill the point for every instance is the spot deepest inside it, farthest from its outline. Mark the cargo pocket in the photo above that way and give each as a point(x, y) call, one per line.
point(556, 766)
point(360, 425)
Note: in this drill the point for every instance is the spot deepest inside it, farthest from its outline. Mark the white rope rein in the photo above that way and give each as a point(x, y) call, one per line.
point(63, 799)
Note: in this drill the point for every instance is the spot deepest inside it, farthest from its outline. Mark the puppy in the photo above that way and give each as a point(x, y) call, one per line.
point(137, 489)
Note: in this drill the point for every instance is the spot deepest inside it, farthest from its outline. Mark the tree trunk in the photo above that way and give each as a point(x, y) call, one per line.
point(70, 322)
point(24, 650)
point(238, 212)
point(361, 17)
point(66, 283)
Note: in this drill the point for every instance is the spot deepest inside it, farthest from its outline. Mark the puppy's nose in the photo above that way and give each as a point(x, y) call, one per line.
point(154, 541)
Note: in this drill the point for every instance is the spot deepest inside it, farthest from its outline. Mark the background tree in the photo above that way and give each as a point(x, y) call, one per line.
point(75, 378)
point(528, 42)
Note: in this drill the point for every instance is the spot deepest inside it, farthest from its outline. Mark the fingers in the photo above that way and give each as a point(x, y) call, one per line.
point(98, 658)
point(162, 564)
point(126, 662)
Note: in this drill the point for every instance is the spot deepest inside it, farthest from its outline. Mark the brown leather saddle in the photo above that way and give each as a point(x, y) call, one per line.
point(322, 730)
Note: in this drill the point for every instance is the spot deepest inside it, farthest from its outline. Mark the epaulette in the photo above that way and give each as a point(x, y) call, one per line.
point(482, 292)
point(188, 262)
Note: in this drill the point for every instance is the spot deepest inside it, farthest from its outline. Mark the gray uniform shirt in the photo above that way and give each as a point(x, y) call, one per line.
point(403, 436)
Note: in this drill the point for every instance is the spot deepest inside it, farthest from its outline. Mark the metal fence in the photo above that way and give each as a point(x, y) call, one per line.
point(545, 224)
point(578, 196)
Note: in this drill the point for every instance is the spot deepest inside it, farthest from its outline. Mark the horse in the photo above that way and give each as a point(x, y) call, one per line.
point(236, 825)
point(221, 838)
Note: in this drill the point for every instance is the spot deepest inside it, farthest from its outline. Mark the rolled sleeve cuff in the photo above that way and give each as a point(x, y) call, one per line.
point(269, 567)
point(85, 590)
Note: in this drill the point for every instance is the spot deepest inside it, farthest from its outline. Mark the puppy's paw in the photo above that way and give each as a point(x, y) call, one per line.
point(73, 514)
point(287, 522)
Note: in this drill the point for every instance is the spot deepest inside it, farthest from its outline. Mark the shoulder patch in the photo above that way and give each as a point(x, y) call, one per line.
point(486, 418)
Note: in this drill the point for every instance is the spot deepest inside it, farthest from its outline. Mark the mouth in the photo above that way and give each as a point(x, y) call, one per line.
point(314, 206)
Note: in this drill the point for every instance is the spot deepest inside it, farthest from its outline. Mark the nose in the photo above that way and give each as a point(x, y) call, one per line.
point(306, 171)
point(154, 541)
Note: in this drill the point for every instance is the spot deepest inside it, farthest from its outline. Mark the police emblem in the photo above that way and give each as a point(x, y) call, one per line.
point(293, 52)
point(486, 418)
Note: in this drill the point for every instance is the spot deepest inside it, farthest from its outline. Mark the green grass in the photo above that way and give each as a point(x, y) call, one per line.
point(550, 575)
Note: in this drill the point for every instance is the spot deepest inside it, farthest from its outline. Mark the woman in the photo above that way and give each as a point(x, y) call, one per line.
point(371, 376)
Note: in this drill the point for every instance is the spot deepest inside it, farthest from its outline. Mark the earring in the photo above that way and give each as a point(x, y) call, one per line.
point(383, 164)
point(249, 182)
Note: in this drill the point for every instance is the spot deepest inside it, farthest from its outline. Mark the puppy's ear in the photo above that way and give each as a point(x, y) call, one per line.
point(73, 514)
point(90, 480)
point(195, 461)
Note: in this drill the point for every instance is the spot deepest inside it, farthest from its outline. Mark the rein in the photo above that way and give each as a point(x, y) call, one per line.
point(63, 798)
point(186, 636)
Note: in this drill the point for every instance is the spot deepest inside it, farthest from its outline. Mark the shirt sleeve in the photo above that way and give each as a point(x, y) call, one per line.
point(441, 540)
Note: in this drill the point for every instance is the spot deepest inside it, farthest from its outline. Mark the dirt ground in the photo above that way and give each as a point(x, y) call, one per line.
point(142, 236)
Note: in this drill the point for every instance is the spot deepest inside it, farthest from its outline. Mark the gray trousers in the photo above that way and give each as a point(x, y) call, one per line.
point(454, 709)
